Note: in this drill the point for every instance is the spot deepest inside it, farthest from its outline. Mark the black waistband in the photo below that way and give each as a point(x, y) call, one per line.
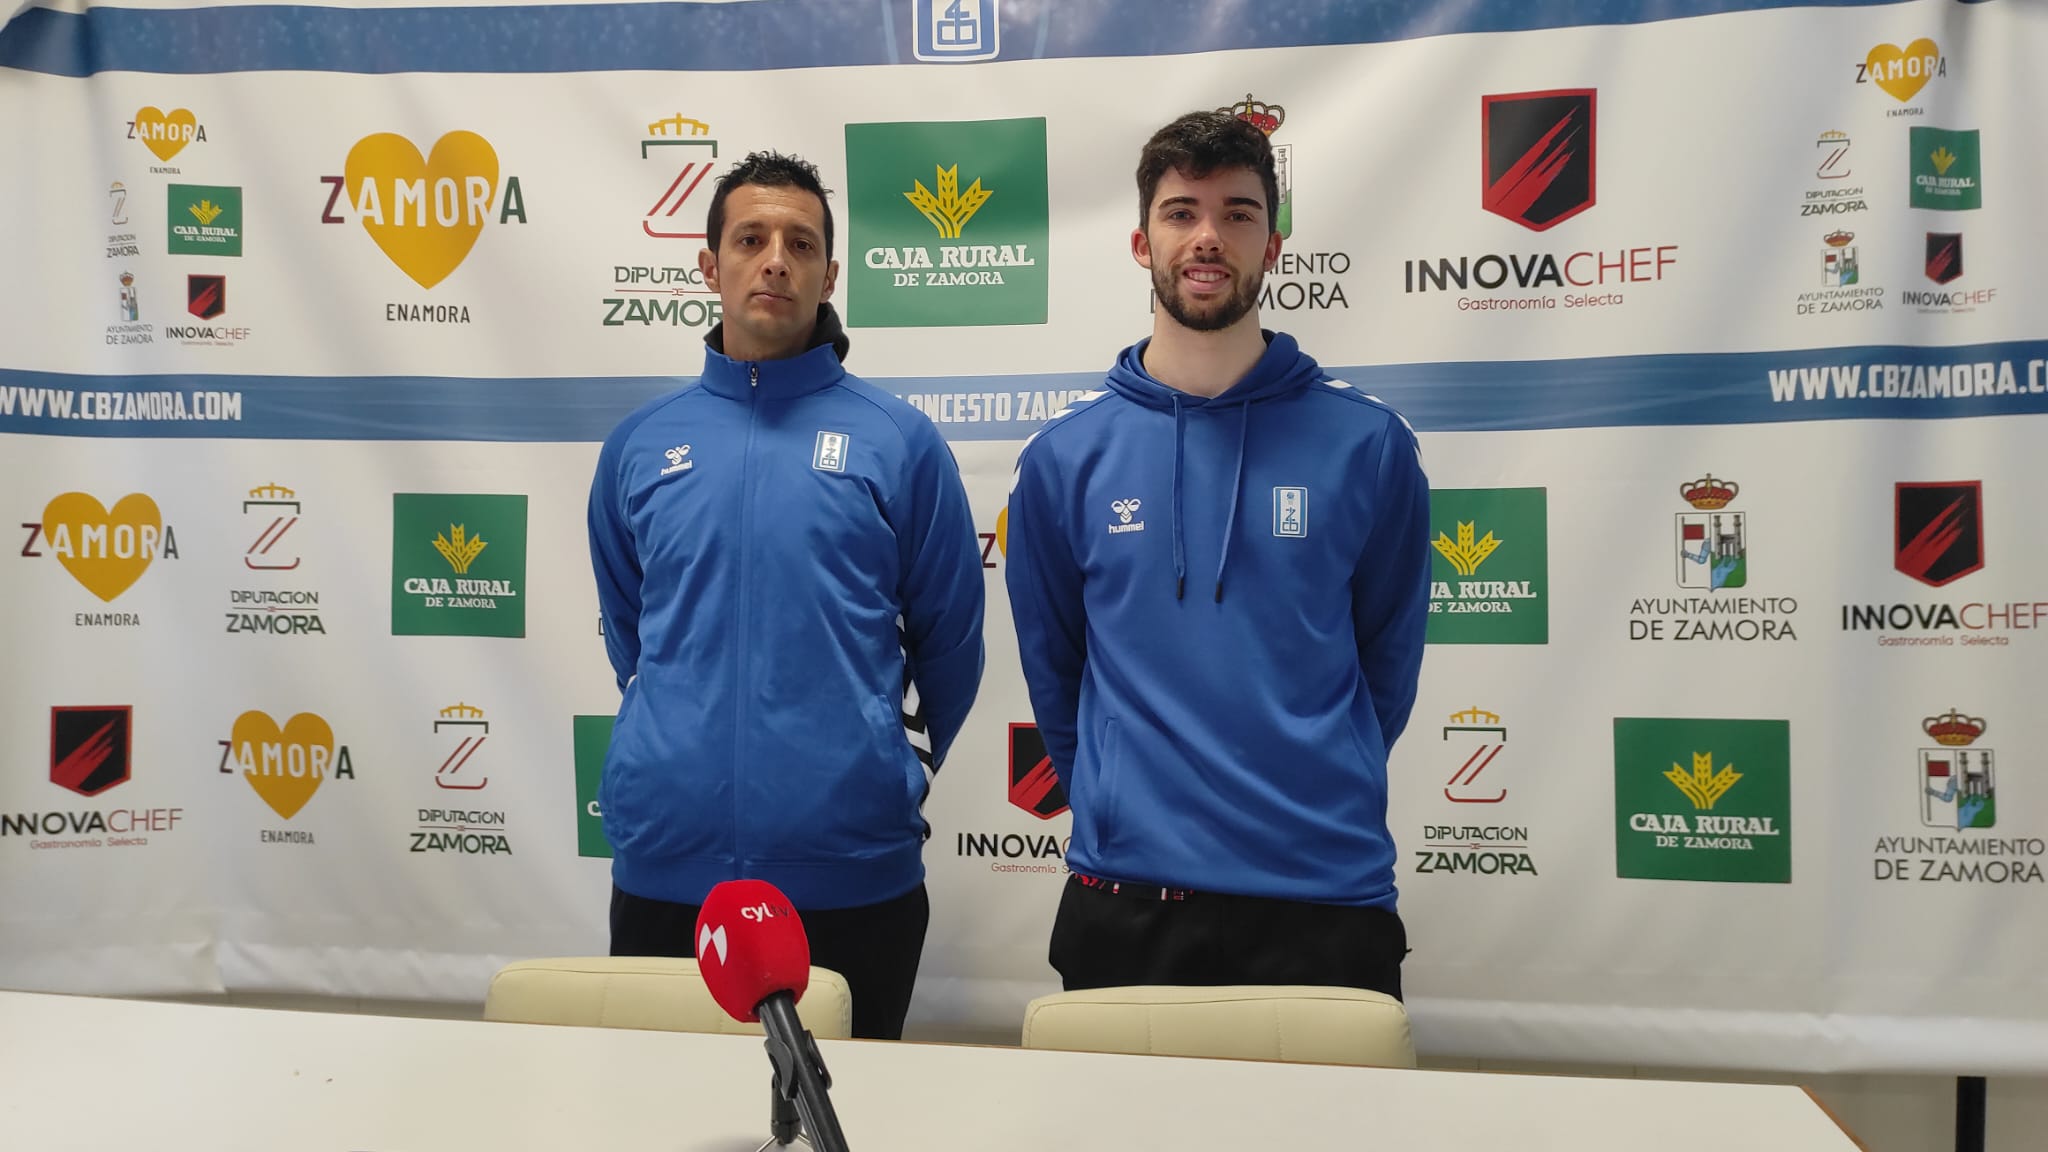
point(1126, 888)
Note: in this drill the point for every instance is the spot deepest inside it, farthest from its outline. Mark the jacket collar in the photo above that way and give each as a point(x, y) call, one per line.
point(816, 369)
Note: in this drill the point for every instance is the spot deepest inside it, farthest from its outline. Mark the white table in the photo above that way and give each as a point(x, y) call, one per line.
point(87, 1073)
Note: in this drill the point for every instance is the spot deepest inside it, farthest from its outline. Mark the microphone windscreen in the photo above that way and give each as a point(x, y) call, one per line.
point(751, 945)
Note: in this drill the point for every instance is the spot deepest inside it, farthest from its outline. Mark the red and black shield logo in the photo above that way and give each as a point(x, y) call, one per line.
point(1938, 532)
point(1944, 256)
point(1033, 786)
point(1536, 155)
point(206, 296)
point(89, 748)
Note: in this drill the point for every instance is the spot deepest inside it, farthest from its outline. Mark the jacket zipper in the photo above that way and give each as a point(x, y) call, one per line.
point(739, 725)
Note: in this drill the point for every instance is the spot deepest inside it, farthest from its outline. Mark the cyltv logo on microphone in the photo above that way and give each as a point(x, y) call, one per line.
point(750, 946)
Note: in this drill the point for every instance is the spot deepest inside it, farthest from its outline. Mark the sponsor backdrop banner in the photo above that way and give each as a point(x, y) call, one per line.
point(1722, 323)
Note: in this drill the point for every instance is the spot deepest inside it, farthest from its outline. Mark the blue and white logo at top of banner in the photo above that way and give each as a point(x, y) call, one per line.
point(955, 31)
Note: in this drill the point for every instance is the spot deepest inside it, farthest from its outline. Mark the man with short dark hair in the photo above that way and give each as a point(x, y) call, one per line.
point(1219, 568)
point(791, 592)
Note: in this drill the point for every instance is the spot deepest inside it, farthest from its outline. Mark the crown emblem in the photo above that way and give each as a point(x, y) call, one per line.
point(460, 709)
point(676, 125)
point(1707, 493)
point(1265, 117)
point(1838, 238)
point(1954, 730)
point(272, 490)
point(1834, 134)
point(127, 279)
point(1475, 715)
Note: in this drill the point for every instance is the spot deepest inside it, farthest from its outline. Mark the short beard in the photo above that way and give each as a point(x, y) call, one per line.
point(1166, 286)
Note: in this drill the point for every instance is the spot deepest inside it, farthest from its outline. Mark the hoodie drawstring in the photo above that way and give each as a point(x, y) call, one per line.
point(1180, 556)
point(1244, 423)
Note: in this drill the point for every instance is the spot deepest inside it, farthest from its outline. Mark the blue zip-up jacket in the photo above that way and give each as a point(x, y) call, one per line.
point(792, 598)
point(1220, 606)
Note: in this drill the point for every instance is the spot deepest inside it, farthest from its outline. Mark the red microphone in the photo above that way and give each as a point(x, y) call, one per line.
point(750, 945)
point(756, 961)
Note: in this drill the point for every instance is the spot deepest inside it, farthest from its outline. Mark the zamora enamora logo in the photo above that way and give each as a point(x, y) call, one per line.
point(285, 764)
point(424, 213)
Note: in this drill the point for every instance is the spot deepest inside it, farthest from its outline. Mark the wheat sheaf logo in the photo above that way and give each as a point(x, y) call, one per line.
point(1703, 786)
point(951, 209)
point(459, 548)
point(1466, 554)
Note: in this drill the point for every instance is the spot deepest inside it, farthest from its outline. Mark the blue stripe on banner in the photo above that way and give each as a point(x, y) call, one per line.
point(781, 34)
point(1890, 382)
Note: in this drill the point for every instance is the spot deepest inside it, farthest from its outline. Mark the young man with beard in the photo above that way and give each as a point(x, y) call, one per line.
point(1219, 568)
point(791, 591)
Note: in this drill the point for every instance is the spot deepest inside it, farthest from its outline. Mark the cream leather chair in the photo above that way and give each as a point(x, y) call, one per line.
point(1290, 1024)
point(646, 992)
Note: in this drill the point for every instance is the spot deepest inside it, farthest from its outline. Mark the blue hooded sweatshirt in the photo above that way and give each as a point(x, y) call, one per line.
point(792, 597)
point(1220, 606)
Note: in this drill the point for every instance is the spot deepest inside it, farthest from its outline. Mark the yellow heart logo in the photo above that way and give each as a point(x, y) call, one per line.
point(1903, 72)
point(105, 551)
point(165, 135)
point(285, 766)
point(425, 214)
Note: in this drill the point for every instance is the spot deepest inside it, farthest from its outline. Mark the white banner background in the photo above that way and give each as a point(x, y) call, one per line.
point(1706, 129)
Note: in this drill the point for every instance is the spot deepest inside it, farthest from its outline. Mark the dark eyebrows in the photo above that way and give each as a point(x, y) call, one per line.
point(1228, 202)
point(802, 229)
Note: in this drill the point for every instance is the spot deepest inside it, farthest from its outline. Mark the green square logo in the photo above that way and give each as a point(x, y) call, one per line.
point(458, 565)
point(205, 220)
point(593, 737)
point(1489, 580)
point(1703, 800)
point(1947, 175)
point(949, 223)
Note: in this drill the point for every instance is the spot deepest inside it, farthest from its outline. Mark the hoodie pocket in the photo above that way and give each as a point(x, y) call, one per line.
point(893, 730)
point(1105, 817)
point(663, 795)
point(840, 789)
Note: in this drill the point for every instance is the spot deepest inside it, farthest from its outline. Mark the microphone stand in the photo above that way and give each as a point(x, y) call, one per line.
point(800, 1080)
point(784, 1125)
